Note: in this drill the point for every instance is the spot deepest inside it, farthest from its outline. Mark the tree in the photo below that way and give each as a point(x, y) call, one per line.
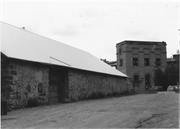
point(165, 82)
point(160, 78)
point(172, 73)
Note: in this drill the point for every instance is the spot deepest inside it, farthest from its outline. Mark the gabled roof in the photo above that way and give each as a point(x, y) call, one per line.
point(21, 44)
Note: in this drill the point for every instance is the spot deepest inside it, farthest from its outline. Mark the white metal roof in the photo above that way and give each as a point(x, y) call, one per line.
point(21, 44)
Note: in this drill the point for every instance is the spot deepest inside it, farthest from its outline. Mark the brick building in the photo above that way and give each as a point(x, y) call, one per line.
point(137, 59)
point(35, 68)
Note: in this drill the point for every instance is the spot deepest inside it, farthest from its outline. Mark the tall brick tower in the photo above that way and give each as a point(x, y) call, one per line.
point(138, 59)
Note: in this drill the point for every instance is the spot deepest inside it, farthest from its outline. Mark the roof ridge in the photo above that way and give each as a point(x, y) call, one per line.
point(26, 45)
point(55, 41)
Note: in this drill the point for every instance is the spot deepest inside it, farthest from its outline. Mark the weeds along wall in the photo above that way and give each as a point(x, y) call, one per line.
point(85, 85)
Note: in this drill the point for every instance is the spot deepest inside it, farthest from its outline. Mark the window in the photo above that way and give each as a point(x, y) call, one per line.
point(135, 61)
point(121, 62)
point(158, 62)
point(146, 61)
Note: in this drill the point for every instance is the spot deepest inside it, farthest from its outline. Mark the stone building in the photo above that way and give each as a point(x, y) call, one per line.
point(174, 60)
point(41, 70)
point(138, 59)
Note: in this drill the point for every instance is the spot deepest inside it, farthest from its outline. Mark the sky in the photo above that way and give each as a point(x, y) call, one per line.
point(97, 26)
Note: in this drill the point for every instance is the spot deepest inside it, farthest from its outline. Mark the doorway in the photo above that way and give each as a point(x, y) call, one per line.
point(147, 81)
point(56, 85)
point(136, 81)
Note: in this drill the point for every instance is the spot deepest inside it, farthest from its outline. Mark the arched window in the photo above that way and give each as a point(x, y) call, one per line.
point(136, 80)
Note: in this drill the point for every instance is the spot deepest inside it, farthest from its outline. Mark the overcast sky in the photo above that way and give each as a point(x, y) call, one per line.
point(97, 27)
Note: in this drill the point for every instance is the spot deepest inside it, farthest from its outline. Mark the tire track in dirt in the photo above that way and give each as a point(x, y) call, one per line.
point(143, 123)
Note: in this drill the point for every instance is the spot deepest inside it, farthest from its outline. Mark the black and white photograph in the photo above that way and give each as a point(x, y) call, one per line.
point(99, 64)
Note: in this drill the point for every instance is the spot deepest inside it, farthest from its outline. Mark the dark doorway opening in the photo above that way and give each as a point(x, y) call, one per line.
point(136, 81)
point(56, 85)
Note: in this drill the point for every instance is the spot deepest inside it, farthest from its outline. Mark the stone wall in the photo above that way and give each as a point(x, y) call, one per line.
point(121, 54)
point(26, 82)
point(84, 85)
point(5, 77)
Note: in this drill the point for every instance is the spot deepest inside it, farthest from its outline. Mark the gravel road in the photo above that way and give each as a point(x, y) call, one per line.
point(159, 110)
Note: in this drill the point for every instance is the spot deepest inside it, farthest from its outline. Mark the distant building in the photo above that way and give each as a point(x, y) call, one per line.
point(174, 60)
point(138, 59)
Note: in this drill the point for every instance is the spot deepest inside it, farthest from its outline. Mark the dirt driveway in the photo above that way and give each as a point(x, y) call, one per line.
point(138, 111)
